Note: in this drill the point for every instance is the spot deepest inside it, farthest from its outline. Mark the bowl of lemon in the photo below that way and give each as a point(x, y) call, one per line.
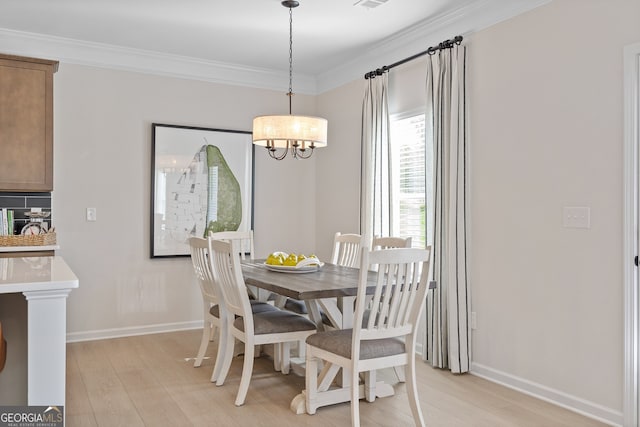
point(292, 263)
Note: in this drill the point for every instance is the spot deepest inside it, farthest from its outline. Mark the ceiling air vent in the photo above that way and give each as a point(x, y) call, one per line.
point(369, 4)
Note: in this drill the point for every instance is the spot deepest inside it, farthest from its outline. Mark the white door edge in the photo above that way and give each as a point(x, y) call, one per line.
point(631, 396)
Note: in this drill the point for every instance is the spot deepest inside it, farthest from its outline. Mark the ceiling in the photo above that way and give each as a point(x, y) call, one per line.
point(250, 34)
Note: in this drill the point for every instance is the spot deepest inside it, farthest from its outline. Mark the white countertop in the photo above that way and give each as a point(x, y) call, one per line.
point(28, 274)
point(28, 248)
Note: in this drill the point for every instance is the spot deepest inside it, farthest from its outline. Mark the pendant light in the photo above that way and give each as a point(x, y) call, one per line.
point(281, 134)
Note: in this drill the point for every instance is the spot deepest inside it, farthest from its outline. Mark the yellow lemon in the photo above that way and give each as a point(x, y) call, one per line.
point(275, 259)
point(292, 260)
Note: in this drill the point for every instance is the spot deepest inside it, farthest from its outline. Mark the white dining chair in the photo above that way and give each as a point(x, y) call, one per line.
point(212, 304)
point(199, 248)
point(346, 249)
point(273, 327)
point(386, 339)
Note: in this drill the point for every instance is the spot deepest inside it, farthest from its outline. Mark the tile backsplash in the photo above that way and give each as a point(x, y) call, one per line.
point(23, 202)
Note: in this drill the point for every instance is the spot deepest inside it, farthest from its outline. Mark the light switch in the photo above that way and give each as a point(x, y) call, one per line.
point(576, 217)
point(91, 214)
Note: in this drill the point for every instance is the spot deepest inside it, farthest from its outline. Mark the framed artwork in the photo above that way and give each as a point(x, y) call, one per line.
point(201, 181)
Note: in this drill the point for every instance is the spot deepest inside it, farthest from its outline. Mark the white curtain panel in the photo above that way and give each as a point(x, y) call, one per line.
point(375, 211)
point(448, 306)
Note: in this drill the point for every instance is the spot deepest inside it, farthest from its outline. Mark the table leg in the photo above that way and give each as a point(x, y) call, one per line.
point(331, 310)
point(314, 314)
point(346, 306)
point(298, 404)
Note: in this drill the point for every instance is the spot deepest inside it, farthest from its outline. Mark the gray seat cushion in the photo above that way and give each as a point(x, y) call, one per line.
point(279, 321)
point(297, 306)
point(256, 307)
point(261, 307)
point(215, 311)
point(326, 321)
point(339, 342)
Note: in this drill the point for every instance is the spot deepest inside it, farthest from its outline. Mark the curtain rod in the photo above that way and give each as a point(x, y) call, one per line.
point(447, 44)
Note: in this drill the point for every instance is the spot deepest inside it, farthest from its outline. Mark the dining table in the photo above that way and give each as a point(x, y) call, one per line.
point(329, 290)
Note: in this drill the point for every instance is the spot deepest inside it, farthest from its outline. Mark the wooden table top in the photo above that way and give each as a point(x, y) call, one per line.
point(329, 281)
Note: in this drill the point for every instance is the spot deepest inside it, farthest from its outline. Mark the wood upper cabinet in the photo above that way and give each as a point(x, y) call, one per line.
point(26, 123)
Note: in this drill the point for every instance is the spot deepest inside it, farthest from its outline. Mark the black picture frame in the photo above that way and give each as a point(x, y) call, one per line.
point(198, 174)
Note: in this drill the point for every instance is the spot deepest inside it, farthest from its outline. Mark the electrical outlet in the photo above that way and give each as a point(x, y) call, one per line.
point(91, 214)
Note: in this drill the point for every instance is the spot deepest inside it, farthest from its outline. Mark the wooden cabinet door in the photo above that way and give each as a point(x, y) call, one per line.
point(26, 124)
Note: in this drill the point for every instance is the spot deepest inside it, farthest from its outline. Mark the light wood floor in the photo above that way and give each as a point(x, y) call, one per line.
point(148, 380)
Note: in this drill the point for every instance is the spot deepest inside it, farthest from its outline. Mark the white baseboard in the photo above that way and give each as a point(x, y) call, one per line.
point(133, 330)
point(572, 403)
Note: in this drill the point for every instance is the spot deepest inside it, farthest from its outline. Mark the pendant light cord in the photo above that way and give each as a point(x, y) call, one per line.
point(290, 94)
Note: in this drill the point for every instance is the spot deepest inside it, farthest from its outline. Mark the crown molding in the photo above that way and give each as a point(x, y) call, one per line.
point(465, 20)
point(148, 62)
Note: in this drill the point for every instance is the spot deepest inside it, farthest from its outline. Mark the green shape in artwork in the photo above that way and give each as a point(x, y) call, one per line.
point(224, 207)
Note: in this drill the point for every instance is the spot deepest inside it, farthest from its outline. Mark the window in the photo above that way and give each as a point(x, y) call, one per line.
point(411, 158)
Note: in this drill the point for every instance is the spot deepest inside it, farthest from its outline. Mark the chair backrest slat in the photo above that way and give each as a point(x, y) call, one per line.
point(375, 301)
point(389, 278)
point(416, 293)
point(399, 296)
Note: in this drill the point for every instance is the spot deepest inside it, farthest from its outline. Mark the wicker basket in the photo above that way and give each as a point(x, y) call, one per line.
point(46, 239)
